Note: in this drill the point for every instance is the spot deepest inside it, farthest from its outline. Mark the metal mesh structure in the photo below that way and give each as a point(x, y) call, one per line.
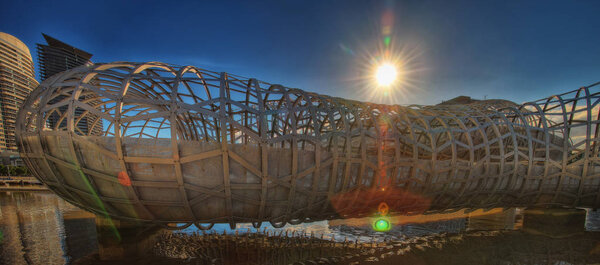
point(186, 145)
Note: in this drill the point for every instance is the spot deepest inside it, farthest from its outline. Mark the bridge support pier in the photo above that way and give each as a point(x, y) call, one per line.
point(122, 240)
point(554, 222)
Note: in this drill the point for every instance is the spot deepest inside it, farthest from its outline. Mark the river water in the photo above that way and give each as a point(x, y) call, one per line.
point(40, 228)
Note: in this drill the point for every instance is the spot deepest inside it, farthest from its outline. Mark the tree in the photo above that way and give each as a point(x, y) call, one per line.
point(12, 171)
point(21, 171)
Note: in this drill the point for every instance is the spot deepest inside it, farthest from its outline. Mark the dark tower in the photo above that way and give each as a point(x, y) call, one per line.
point(55, 57)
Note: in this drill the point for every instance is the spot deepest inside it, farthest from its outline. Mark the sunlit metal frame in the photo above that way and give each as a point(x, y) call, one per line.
point(242, 150)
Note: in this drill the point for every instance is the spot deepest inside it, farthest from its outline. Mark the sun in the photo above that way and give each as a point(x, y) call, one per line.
point(386, 74)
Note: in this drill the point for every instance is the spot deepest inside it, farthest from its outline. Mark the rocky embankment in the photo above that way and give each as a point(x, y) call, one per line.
point(475, 247)
point(479, 247)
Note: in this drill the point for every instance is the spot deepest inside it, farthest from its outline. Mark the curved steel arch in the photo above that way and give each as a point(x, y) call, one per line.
point(163, 143)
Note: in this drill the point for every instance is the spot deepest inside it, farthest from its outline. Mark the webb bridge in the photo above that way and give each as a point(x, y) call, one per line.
point(154, 142)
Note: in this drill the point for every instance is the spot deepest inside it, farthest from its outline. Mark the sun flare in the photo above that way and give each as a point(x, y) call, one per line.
point(386, 74)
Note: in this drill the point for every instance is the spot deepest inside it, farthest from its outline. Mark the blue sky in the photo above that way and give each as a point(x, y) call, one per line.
point(516, 50)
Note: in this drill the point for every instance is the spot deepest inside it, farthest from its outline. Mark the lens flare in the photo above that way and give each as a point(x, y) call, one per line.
point(124, 178)
point(382, 224)
point(386, 74)
point(383, 208)
point(387, 66)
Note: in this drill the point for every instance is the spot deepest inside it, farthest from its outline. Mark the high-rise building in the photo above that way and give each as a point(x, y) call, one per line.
point(17, 80)
point(55, 57)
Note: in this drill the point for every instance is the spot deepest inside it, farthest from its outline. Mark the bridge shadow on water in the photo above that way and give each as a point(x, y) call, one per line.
point(40, 228)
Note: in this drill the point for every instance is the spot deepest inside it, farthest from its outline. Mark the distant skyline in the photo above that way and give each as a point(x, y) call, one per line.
point(515, 50)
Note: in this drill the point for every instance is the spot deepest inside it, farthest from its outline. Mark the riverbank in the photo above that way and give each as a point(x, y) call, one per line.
point(21, 183)
point(41, 228)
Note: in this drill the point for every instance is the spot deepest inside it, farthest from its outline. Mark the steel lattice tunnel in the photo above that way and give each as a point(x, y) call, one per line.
point(163, 143)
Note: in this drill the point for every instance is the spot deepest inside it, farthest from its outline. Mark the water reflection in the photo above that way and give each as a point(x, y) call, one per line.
point(360, 229)
point(41, 228)
point(592, 220)
point(510, 219)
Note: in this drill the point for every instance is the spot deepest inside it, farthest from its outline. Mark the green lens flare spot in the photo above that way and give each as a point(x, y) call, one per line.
point(387, 40)
point(382, 225)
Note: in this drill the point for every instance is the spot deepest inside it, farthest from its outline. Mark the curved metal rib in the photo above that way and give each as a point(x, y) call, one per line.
point(163, 143)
